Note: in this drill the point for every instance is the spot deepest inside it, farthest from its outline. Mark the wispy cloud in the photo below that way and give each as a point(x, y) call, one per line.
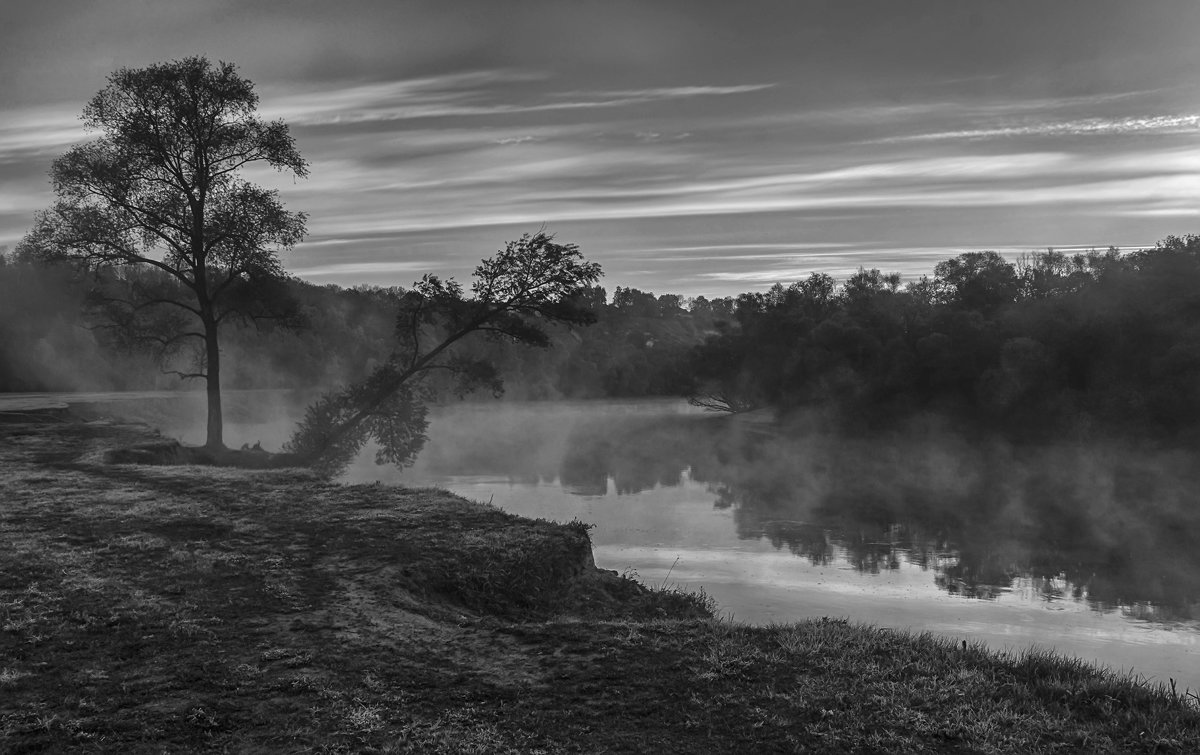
point(661, 93)
point(20, 201)
point(1162, 212)
point(655, 136)
point(1170, 124)
point(516, 139)
point(1009, 111)
point(338, 269)
point(781, 252)
point(40, 130)
point(488, 191)
point(463, 95)
point(788, 247)
point(774, 179)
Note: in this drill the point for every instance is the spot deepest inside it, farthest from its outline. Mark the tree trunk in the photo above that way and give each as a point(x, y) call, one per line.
point(366, 407)
point(212, 371)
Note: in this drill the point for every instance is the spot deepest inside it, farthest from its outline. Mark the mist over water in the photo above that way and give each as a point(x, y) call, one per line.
point(1089, 549)
point(1085, 548)
point(267, 417)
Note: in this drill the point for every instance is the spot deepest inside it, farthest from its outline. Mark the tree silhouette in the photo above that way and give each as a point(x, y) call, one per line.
point(161, 188)
point(530, 282)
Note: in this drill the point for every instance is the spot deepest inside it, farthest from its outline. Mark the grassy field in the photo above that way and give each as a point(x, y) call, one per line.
point(150, 608)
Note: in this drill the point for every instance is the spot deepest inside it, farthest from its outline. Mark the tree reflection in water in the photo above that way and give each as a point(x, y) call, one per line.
point(1101, 522)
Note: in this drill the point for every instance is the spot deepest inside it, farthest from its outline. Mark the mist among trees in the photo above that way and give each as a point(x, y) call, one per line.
point(1053, 344)
point(529, 284)
point(158, 262)
point(1049, 345)
point(160, 189)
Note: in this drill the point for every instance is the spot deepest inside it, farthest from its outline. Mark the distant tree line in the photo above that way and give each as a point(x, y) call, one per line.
point(56, 334)
point(1050, 344)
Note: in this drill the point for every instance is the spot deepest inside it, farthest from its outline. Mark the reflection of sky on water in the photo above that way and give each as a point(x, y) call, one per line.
point(675, 536)
point(663, 525)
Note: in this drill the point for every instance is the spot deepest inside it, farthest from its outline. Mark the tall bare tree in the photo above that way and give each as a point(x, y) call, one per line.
point(161, 188)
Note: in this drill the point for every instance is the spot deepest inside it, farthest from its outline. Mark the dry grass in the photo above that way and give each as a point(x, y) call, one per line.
point(150, 609)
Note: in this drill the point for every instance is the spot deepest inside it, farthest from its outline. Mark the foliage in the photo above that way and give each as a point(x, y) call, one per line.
point(160, 189)
point(530, 282)
point(49, 346)
point(49, 340)
point(1096, 342)
point(1050, 345)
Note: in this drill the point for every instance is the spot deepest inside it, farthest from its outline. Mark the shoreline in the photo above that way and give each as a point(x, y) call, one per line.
point(209, 608)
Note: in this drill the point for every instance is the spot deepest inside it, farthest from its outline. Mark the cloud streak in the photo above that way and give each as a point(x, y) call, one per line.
point(356, 269)
point(463, 96)
point(530, 193)
point(1165, 124)
point(668, 151)
point(40, 130)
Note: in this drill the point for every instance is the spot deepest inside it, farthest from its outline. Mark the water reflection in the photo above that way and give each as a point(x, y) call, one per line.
point(1106, 525)
point(1088, 550)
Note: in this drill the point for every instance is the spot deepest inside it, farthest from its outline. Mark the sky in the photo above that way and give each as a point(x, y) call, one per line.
point(690, 147)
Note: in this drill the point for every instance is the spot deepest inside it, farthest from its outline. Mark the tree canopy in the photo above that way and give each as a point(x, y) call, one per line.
point(530, 283)
point(161, 188)
point(1051, 345)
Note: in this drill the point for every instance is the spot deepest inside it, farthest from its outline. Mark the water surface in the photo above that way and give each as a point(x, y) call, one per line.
point(1088, 550)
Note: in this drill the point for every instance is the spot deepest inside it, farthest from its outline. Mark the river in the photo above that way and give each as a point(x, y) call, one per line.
point(1086, 550)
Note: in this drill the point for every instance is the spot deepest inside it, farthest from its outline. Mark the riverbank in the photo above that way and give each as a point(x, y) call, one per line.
point(145, 608)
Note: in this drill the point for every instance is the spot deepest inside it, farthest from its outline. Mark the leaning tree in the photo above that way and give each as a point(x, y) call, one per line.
point(160, 190)
point(516, 293)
